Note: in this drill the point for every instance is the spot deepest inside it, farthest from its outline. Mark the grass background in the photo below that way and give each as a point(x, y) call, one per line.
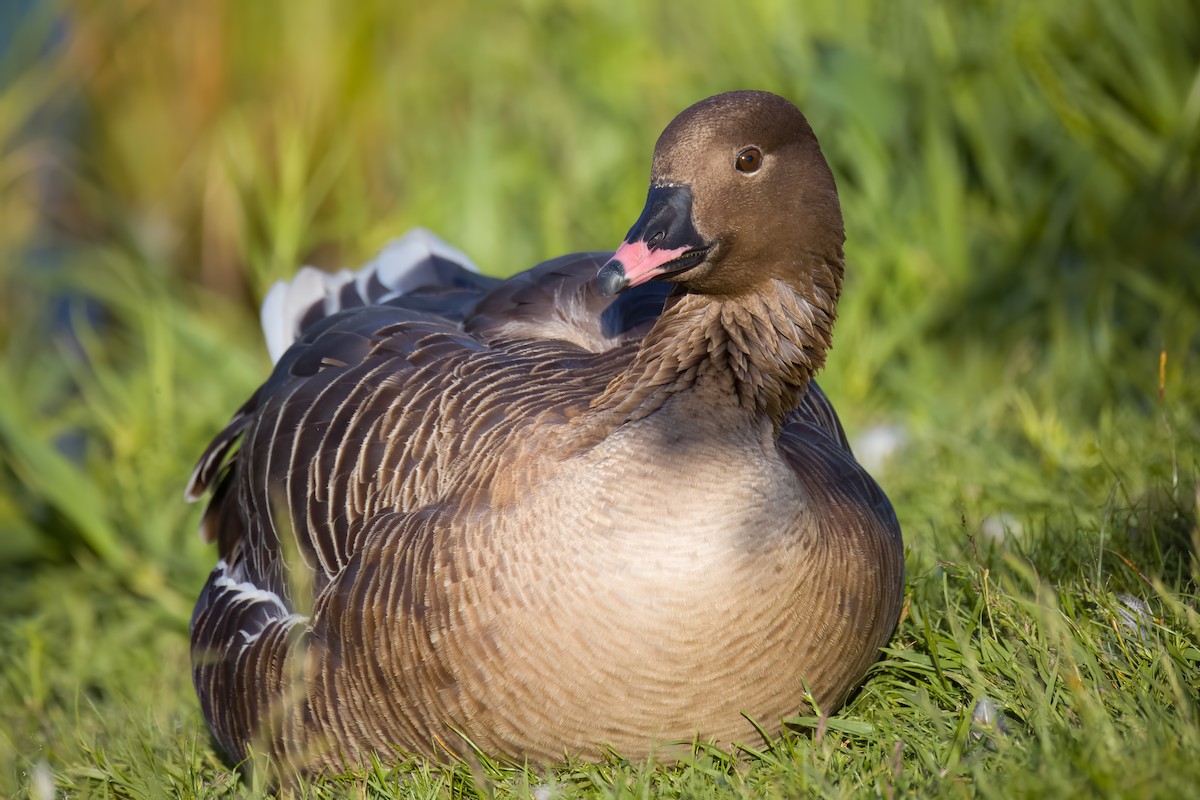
point(1021, 185)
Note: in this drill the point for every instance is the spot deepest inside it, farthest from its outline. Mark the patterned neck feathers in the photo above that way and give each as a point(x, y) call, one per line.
point(757, 351)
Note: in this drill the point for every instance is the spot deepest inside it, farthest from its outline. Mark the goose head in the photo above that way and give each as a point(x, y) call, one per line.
point(739, 193)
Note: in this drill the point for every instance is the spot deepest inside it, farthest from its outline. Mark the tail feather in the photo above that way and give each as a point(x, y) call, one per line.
point(419, 260)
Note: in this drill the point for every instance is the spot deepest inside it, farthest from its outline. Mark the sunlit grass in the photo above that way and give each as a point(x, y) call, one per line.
point(1021, 184)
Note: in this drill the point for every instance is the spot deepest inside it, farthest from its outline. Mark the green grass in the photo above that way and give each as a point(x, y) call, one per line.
point(1021, 184)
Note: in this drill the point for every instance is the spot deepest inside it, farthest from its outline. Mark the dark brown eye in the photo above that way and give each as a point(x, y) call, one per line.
point(749, 160)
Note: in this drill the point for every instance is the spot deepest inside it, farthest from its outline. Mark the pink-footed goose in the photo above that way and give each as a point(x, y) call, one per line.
point(601, 503)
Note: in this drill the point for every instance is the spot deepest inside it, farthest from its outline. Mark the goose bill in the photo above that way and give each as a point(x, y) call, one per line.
point(662, 242)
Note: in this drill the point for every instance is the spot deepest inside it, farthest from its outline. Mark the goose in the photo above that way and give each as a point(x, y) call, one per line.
point(600, 506)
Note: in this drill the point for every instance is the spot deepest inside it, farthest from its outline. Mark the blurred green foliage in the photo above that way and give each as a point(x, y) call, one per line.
point(1021, 186)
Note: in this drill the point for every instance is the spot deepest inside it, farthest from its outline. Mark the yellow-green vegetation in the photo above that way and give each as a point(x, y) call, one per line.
point(1021, 182)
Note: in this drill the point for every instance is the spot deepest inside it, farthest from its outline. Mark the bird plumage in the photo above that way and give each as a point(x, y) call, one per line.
point(545, 519)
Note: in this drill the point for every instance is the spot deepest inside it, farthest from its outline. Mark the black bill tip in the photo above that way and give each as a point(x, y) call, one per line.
point(611, 278)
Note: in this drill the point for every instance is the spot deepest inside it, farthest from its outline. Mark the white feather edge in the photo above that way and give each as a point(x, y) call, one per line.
point(288, 301)
point(246, 592)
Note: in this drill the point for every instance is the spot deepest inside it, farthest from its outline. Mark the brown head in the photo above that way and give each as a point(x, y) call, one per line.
point(739, 193)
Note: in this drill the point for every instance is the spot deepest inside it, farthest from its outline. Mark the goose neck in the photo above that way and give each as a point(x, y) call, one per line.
point(752, 353)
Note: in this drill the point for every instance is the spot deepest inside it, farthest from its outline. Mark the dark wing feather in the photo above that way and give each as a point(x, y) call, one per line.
point(557, 300)
point(419, 265)
point(381, 409)
point(816, 410)
point(814, 445)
